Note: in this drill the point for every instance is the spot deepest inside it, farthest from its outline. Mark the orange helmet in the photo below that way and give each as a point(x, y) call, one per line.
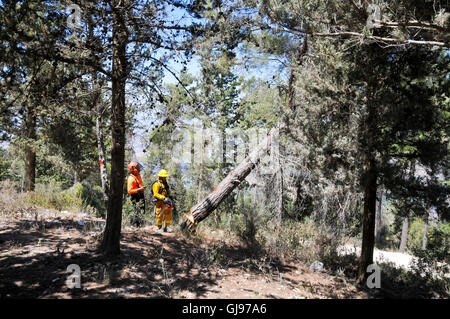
point(134, 167)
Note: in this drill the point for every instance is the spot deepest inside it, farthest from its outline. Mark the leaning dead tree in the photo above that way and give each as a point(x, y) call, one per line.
point(206, 206)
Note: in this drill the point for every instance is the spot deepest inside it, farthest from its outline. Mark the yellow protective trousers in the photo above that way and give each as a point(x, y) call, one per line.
point(163, 211)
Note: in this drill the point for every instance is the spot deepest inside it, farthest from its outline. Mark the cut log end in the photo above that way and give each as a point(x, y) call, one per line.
point(188, 224)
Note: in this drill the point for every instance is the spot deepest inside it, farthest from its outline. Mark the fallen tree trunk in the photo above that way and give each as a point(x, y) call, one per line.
point(206, 206)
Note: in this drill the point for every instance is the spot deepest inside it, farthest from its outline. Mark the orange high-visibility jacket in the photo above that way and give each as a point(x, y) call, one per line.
point(133, 183)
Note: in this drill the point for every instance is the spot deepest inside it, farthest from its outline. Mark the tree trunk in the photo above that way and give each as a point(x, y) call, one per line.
point(425, 231)
point(230, 217)
point(280, 208)
point(202, 160)
point(404, 238)
point(99, 113)
point(101, 156)
point(297, 58)
point(99, 109)
point(30, 169)
point(22, 189)
point(291, 91)
point(370, 186)
point(378, 218)
point(30, 153)
point(110, 244)
point(368, 240)
point(205, 207)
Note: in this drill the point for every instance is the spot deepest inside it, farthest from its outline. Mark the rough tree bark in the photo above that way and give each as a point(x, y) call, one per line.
point(110, 244)
point(101, 155)
point(30, 153)
point(378, 217)
point(370, 185)
point(30, 168)
point(404, 237)
point(425, 233)
point(368, 236)
point(405, 226)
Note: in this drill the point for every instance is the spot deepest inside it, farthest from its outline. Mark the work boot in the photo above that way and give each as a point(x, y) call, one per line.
point(160, 228)
point(167, 229)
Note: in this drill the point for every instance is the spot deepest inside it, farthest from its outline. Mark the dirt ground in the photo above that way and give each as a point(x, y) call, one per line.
point(37, 247)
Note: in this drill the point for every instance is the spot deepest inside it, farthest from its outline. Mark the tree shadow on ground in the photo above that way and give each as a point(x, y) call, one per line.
point(33, 265)
point(34, 256)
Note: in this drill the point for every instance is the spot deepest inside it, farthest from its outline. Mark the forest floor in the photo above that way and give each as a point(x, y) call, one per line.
point(37, 247)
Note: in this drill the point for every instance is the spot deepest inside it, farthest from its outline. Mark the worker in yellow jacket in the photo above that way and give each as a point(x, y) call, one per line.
point(163, 203)
point(136, 189)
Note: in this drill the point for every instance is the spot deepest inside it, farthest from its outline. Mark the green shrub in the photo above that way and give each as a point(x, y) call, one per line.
point(415, 234)
point(438, 244)
point(127, 211)
point(92, 197)
point(216, 255)
point(79, 197)
point(149, 217)
point(292, 239)
point(424, 280)
point(246, 226)
point(10, 200)
point(52, 196)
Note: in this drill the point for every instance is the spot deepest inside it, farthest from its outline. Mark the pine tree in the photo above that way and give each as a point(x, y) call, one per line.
point(361, 122)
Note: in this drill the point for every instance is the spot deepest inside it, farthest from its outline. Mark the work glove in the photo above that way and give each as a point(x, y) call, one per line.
point(167, 201)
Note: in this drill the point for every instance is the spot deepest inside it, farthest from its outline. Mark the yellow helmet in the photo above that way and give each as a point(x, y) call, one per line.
point(163, 173)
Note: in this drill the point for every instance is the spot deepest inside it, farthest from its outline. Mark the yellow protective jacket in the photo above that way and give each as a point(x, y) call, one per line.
point(133, 183)
point(158, 193)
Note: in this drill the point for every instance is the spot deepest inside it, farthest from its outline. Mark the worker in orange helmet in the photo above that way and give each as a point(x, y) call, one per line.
point(136, 190)
point(163, 203)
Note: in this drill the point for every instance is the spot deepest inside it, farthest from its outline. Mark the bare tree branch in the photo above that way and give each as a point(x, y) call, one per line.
point(382, 39)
